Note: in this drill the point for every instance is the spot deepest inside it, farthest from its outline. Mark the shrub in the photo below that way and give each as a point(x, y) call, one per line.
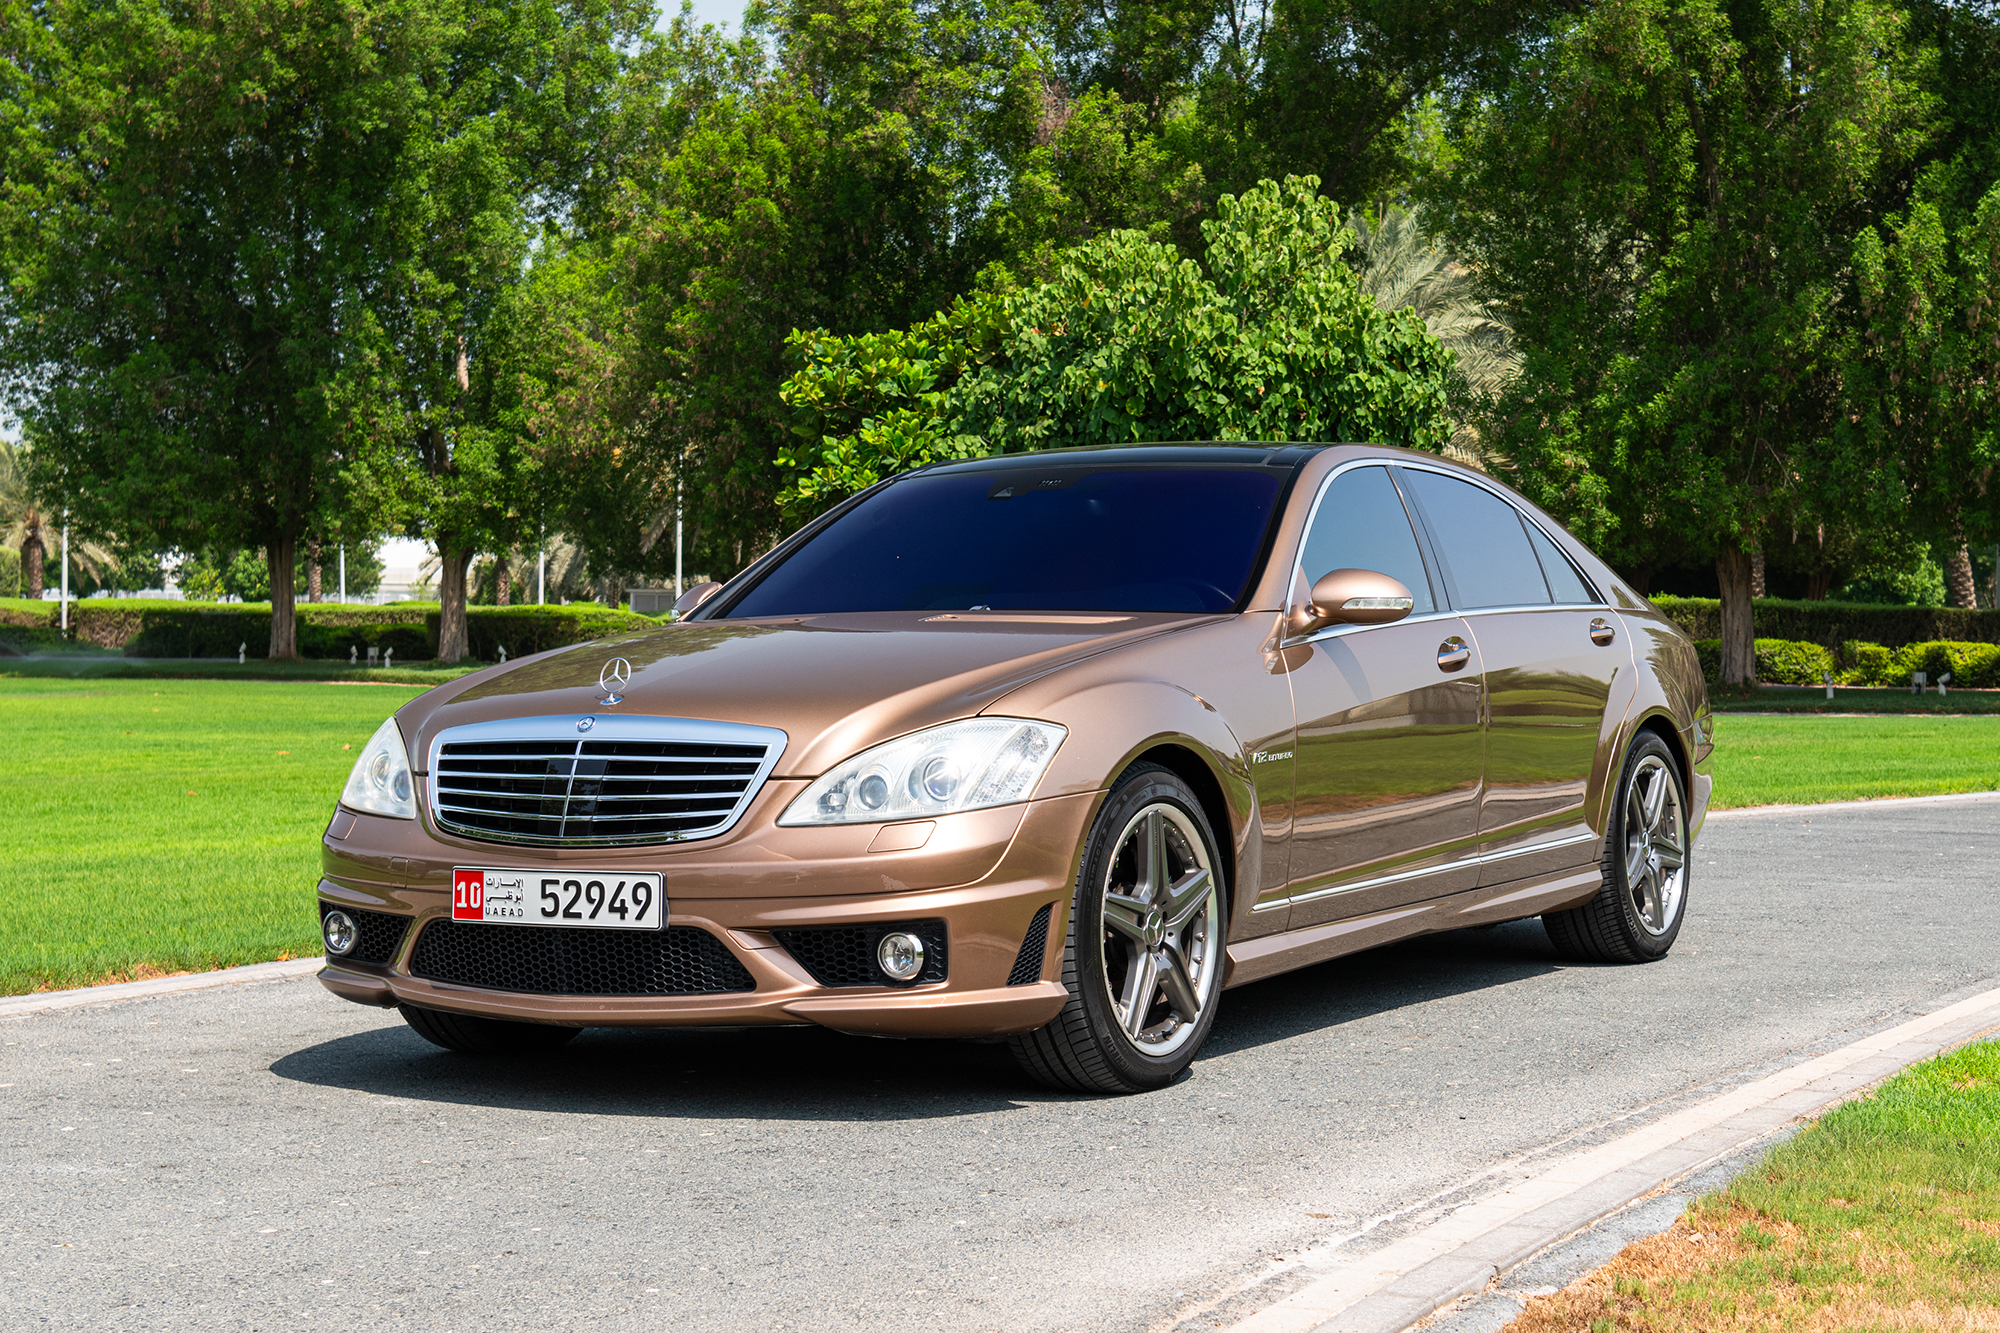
point(1865, 663)
point(1709, 652)
point(1972, 665)
point(326, 629)
point(532, 629)
point(1791, 662)
point(21, 611)
point(10, 572)
point(1830, 624)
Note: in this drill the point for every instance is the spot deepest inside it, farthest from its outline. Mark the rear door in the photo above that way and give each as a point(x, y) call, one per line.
point(1389, 750)
point(1552, 652)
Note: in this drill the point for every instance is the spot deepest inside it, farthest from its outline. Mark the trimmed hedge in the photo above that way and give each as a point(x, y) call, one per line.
point(532, 629)
point(1830, 624)
point(325, 629)
point(1794, 662)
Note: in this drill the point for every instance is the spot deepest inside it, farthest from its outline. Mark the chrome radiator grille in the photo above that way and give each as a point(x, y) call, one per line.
point(629, 781)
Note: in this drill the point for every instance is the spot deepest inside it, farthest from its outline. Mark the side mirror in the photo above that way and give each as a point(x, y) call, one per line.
point(1352, 597)
point(694, 597)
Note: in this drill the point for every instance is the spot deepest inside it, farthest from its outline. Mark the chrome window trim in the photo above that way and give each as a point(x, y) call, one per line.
point(1312, 517)
point(1403, 876)
point(563, 728)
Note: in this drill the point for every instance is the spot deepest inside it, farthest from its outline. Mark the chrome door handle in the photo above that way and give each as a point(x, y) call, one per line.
point(1601, 632)
point(1453, 654)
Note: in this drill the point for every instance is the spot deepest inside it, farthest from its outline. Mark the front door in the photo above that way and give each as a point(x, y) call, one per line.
point(1552, 654)
point(1389, 749)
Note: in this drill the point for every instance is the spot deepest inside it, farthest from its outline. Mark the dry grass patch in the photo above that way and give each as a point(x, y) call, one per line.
point(1883, 1215)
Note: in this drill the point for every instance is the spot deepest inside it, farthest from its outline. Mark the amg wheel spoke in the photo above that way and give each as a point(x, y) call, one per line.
point(1142, 983)
point(1656, 801)
point(1179, 986)
point(1635, 813)
point(1671, 857)
point(1185, 898)
point(1635, 861)
point(1126, 915)
point(1153, 888)
point(1650, 889)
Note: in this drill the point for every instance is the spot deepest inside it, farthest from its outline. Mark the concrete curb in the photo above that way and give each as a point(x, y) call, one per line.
point(1388, 1289)
point(21, 1006)
point(1872, 803)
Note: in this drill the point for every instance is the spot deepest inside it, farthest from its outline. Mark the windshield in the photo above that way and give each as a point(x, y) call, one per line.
point(1130, 538)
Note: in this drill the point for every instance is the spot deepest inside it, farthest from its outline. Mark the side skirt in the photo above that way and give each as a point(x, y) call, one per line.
point(1253, 960)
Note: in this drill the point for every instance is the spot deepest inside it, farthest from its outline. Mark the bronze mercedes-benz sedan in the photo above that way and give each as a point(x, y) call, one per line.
point(1053, 748)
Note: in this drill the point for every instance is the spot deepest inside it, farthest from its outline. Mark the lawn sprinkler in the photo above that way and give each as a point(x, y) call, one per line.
point(503, 652)
point(353, 654)
point(1941, 682)
point(241, 650)
point(1827, 676)
point(387, 654)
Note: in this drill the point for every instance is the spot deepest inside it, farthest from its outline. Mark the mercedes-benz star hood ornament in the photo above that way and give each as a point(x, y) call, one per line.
point(612, 679)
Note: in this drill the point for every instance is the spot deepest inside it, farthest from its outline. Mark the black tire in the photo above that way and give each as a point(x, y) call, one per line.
point(1087, 1048)
point(1614, 927)
point(485, 1036)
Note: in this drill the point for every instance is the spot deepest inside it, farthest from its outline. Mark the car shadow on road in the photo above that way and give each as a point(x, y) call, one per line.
point(1380, 981)
point(815, 1074)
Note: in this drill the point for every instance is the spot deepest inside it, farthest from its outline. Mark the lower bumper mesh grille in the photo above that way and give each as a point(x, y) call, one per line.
point(845, 955)
point(377, 934)
point(560, 960)
point(1034, 948)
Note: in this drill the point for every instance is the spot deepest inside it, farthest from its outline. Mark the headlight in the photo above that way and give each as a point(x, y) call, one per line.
point(967, 765)
point(380, 782)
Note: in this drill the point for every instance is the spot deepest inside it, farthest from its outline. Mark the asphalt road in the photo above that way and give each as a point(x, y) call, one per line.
point(269, 1156)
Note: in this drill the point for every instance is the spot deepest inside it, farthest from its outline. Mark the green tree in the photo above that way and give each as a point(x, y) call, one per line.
point(1663, 199)
point(187, 223)
point(1271, 339)
point(511, 98)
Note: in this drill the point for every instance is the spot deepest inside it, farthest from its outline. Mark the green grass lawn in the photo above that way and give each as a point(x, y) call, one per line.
point(1785, 760)
point(1885, 1214)
point(167, 825)
point(1893, 699)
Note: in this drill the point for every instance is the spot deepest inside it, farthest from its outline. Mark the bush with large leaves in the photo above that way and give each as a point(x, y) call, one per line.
point(1271, 338)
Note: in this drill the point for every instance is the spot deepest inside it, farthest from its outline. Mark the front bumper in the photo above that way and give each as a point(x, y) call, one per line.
point(986, 922)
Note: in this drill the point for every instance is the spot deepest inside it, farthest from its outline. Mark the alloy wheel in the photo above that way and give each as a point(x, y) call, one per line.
point(1162, 933)
point(1655, 845)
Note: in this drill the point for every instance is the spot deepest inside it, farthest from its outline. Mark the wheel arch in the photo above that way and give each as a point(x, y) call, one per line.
point(1662, 725)
point(1189, 766)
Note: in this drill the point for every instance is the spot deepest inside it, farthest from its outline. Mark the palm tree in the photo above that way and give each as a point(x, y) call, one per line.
point(1404, 268)
point(26, 525)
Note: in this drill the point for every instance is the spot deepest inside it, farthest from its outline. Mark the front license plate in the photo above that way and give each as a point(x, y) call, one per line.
point(621, 900)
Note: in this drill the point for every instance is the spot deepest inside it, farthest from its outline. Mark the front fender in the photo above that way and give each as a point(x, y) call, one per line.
point(1113, 724)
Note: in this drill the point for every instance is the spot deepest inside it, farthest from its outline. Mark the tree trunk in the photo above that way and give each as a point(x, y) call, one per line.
point(1818, 584)
point(284, 620)
point(312, 570)
point(31, 565)
point(502, 585)
point(1757, 571)
point(453, 632)
point(1959, 587)
point(1642, 579)
point(1739, 636)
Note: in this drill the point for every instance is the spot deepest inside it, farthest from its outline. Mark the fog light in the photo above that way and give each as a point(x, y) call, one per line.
point(900, 955)
point(340, 931)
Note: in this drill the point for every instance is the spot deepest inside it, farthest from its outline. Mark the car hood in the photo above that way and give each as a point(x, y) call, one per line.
point(833, 684)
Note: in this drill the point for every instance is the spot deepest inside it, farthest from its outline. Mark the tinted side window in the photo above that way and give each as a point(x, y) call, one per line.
point(1485, 548)
point(1361, 524)
point(1564, 581)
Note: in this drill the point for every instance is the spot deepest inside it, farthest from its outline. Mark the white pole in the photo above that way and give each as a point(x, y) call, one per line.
point(343, 572)
point(677, 538)
point(65, 578)
point(542, 567)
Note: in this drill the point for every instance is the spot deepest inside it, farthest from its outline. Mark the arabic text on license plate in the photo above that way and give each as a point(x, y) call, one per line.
point(571, 898)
